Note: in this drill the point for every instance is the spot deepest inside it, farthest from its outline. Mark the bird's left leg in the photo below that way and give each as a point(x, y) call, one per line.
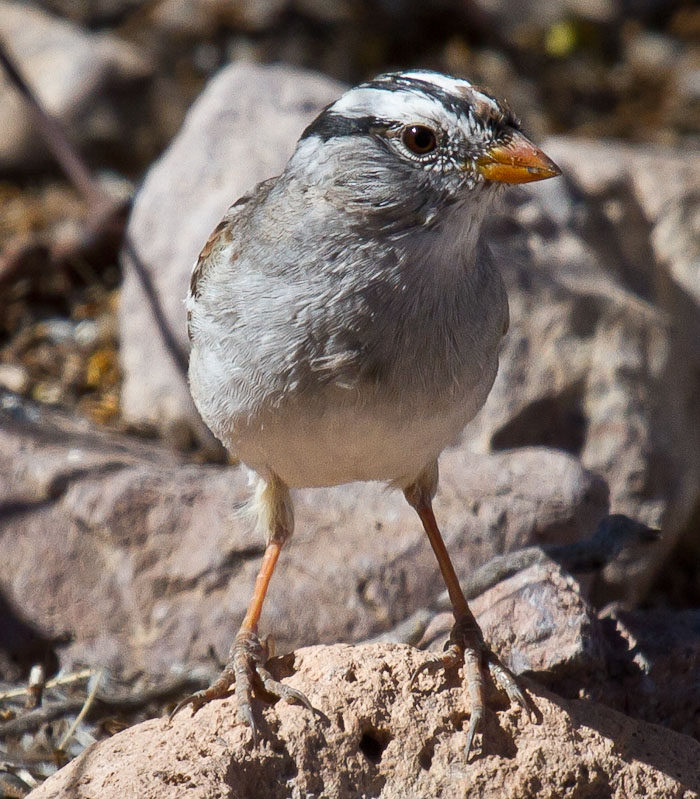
point(466, 643)
point(249, 653)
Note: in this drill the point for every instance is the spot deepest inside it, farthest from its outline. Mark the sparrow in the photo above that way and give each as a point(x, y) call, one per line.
point(345, 319)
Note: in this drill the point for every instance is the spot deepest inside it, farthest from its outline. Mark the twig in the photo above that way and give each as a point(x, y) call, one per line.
point(12, 786)
point(83, 712)
point(171, 344)
point(102, 701)
point(66, 679)
point(35, 686)
point(40, 716)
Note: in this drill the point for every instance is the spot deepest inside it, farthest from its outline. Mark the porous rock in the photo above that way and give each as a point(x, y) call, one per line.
point(377, 739)
point(146, 561)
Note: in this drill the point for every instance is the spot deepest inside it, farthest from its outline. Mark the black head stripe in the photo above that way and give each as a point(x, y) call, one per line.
point(328, 125)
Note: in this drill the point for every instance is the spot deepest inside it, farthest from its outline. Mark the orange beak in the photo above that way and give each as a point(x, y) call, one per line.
point(516, 161)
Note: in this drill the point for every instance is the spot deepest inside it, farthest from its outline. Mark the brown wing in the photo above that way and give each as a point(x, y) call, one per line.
point(220, 234)
point(223, 232)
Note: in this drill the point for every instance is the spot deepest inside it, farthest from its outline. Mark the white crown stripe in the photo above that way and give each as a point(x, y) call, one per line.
point(444, 82)
point(401, 104)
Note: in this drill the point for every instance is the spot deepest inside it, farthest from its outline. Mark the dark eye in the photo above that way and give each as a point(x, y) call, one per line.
point(419, 139)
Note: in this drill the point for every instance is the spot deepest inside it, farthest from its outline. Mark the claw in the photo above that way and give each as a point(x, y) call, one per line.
point(245, 714)
point(453, 656)
point(282, 691)
point(428, 665)
point(178, 707)
point(474, 724)
point(197, 700)
point(506, 681)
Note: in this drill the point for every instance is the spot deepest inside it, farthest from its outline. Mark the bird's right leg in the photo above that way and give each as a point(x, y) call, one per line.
point(466, 644)
point(248, 653)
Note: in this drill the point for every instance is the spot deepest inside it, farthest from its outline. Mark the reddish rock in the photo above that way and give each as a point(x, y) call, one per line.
point(379, 740)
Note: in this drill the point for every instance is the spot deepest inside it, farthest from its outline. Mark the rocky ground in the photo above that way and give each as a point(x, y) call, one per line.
point(126, 565)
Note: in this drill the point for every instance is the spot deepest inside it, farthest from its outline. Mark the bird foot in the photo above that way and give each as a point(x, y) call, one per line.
point(466, 647)
point(246, 663)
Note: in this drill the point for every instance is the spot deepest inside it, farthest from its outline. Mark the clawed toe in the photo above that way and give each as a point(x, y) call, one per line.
point(507, 682)
point(195, 700)
point(451, 657)
point(246, 663)
point(431, 666)
point(280, 690)
point(219, 689)
point(183, 703)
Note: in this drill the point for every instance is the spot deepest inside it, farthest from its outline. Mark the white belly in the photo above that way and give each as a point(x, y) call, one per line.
point(307, 446)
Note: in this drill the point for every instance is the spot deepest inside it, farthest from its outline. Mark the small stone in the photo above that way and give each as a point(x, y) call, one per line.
point(47, 393)
point(57, 331)
point(14, 378)
point(87, 334)
point(653, 54)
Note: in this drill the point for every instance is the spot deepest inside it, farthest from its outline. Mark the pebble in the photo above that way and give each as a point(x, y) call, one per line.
point(87, 334)
point(14, 378)
point(57, 331)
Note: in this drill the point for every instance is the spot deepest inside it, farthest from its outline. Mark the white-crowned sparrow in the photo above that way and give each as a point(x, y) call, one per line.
point(345, 320)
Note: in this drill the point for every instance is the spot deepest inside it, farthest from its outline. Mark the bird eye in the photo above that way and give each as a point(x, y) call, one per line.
point(419, 139)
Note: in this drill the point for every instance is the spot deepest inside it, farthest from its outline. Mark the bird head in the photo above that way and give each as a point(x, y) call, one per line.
point(416, 141)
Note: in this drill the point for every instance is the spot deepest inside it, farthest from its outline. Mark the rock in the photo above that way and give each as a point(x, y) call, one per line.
point(537, 16)
point(76, 75)
point(538, 622)
point(241, 130)
point(657, 175)
point(145, 561)
point(248, 15)
point(94, 14)
point(201, 17)
point(654, 666)
point(376, 739)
